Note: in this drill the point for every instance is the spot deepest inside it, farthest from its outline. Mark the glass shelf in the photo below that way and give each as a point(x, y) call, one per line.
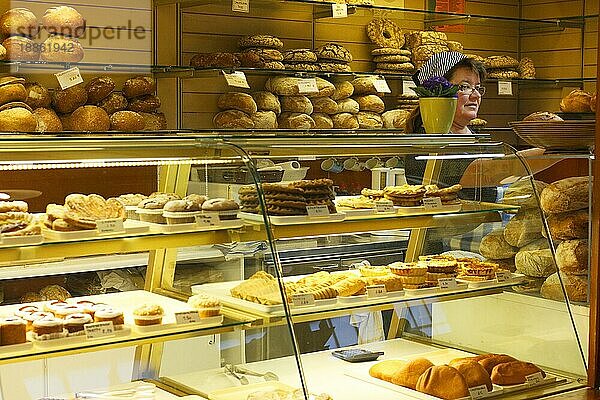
point(54, 67)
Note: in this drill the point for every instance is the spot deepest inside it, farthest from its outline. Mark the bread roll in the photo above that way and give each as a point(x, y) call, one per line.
point(264, 120)
point(47, 120)
point(348, 106)
point(444, 382)
point(345, 121)
point(20, 48)
point(365, 85)
point(37, 96)
point(369, 120)
point(237, 101)
point(576, 287)
point(491, 361)
point(64, 20)
point(139, 86)
point(59, 48)
point(90, 119)
point(514, 373)
point(385, 370)
point(536, 263)
point(569, 225)
point(494, 246)
point(572, 256)
point(568, 194)
point(113, 102)
point(343, 90)
point(128, 121)
point(99, 88)
point(19, 22)
point(234, 119)
point(409, 373)
point(578, 101)
point(296, 104)
point(295, 121)
point(154, 122)
point(322, 121)
point(395, 119)
point(18, 119)
point(11, 89)
point(523, 228)
point(370, 103)
point(267, 101)
point(148, 103)
point(68, 100)
point(324, 105)
point(520, 193)
point(474, 373)
point(288, 86)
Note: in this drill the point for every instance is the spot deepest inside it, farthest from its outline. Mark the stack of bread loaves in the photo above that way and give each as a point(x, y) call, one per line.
point(333, 57)
point(237, 107)
point(370, 104)
point(390, 56)
point(15, 114)
point(424, 44)
point(261, 51)
point(501, 67)
point(300, 60)
point(566, 203)
point(345, 116)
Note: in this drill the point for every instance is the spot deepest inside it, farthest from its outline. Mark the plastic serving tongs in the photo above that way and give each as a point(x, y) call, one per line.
point(267, 376)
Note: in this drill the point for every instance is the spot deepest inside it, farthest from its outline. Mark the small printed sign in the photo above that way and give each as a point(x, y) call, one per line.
point(69, 78)
point(303, 300)
point(99, 329)
point(107, 226)
point(187, 317)
point(236, 79)
point(432, 203)
point(307, 85)
point(339, 10)
point(381, 85)
point(407, 88)
point(204, 221)
point(385, 207)
point(447, 283)
point(240, 6)
point(534, 379)
point(505, 88)
point(317, 211)
point(376, 291)
point(478, 392)
point(503, 276)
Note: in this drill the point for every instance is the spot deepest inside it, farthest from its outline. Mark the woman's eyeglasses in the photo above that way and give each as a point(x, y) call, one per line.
point(467, 89)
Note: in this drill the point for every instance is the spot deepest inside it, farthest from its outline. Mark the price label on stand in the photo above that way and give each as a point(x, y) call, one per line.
point(432, 203)
point(317, 211)
point(240, 6)
point(381, 85)
point(505, 88)
point(99, 329)
point(376, 291)
point(107, 226)
point(407, 88)
point(385, 207)
point(205, 221)
point(447, 283)
point(503, 276)
point(307, 85)
point(236, 79)
point(478, 392)
point(69, 78)
point(303, 300)
point(534, 379)
point(339, 10)
point(187, 317)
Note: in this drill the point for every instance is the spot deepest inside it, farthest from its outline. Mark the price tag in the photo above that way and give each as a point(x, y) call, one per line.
point(432, 203)
point(303, 300)
point(69, 78)
point(104, 226)
point(339, 10)
point(236, 79)
point(503, 276)
point(478, 392)
point(240, 6)
point(385, 207)
point(187, 317)
point(317, 211)
point(99, 329)
point(407, 88)
point(207, 220)
point(376, 291)
point(307, 85)
point(534, 379)
point(505, 88)
point(447, 283)
point(381, 86)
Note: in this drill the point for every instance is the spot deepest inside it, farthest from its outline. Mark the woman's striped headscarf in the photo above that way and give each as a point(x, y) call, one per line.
point(438, 65)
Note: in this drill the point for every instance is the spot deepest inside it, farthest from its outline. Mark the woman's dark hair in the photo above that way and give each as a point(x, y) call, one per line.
point(469, 63)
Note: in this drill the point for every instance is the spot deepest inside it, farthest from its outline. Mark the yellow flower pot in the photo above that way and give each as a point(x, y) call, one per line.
point(437, 113)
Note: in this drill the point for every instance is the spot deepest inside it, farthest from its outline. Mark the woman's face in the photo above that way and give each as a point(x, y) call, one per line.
point(468, 104)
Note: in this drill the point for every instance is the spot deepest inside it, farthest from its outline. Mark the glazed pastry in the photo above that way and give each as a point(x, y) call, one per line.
point(47, 326)
point(110, 314)
point(75, 322)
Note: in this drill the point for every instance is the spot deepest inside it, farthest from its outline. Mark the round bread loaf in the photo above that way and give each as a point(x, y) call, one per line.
point(10, 92)
point(520, 193)
point(220, 204)
point(345, 121)
point(59, 48)
point(576, 287)
point(260, 41)
point(296, 104)
point(395, 118)
point(90, 119)
point(333, 51)
point(343, 90)
point(567, 194)
point(385, 370)
point(444, 382)
point(237, 101)
point(542, 116)
point(99, 88)
point(64, 20)
point(19, 22)
point(154, 122)
point(148, 103)
point(17, 119)
point(68, 100)
point(47, 120)
point(572, 256)
point(569, 225)
point(288, 86)
point(408, 374)
point(365, 85)
point(495, 247)
point(348, 106)
point(215, 60)
point(289, 120)
point(324, 105)
point(514, 372)
point(37, 96)
point(139, 86)
point(233, 119)
point(20, 48)
point(127, 121)
point(264, 120)
point(474, 373)
point(369, 120)
point(370, 102)
point(536, 263)
point(490, 362)
point(113, 102)
point(523, 228)
point(578, 101)
point(267, 101)
point(322, 121)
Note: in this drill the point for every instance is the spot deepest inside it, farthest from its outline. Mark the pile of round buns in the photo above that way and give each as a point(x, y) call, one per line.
point(452, 381)
point(19, 26)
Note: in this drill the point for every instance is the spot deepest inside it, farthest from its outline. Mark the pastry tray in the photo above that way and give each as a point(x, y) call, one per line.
point(293, 219)
point(356, 212)
point(132, 227)
point(21, 240)
point(514, 279)
point(573, 134)
point(193, 227)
